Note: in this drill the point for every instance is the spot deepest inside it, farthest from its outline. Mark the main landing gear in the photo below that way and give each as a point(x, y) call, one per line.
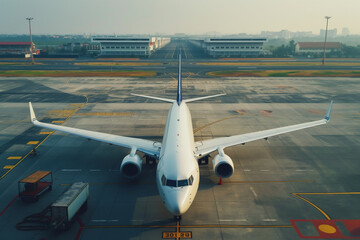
point(177, 218)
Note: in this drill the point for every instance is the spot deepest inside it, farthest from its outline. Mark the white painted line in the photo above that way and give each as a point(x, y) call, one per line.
point(98, 220)
point(95, 170)
point(233, 220)
point(304, 170)
point(264, 170)
point(269, 220)
point(71, 170)
point(114, 220)
point(135, 220)
point(253, 192)
point(246, 170)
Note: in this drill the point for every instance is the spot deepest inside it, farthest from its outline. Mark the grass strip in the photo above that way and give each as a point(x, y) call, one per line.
point(285, 73)
point(76, 73)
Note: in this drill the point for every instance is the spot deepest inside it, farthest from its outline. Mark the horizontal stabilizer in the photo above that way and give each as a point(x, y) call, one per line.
point(201, 98)
point(156, 98)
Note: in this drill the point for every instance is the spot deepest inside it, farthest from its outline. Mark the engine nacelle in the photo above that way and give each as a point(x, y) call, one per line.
point(131, 166)
point(223, 165)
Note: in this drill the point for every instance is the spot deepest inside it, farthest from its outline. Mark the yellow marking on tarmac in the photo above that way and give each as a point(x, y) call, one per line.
point(33, 142)
point(122, 114)
point(57, 121)
point(190, 226)
point(8, 166)
point(14, 158)
point(46, 133)
point(330, 193)
point(87, 100)
point(327, 229)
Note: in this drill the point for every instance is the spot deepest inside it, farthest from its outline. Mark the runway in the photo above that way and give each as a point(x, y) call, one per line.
point(311, 174)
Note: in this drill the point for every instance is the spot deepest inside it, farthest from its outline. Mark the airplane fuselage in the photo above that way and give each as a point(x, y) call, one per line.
point(177, 174)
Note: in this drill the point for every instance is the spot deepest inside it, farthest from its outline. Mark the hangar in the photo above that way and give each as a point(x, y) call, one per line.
point(232, 47)
point(129, 46)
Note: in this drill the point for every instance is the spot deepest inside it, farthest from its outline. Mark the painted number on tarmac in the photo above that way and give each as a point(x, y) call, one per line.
point(167, 235)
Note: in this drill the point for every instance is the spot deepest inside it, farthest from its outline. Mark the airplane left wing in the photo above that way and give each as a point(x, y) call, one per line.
point(146, 146)
point(208, 146)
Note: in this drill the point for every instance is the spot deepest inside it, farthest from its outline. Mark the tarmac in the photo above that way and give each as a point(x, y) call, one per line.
point(302, 176)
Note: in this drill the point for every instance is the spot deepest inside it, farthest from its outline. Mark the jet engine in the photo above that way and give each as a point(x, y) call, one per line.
point(131, 166)
point(223, 165)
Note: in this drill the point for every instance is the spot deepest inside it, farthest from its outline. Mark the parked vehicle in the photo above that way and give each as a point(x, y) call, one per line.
point(65, 208)
point(34, 185)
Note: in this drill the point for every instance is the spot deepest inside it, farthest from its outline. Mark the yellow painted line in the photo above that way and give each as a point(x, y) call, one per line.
point(46, 133)
point(191, 226)
point(122, 114)
point(330, 193)
point(87, 100)
point(14, 158)
point(33, 142)
point(8, 166)
point(316, 207)
point(57, 121)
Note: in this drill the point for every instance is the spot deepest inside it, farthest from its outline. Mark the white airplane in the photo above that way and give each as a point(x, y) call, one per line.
point(177, 173)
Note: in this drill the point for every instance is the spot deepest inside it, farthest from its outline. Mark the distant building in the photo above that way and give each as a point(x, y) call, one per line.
point(345, 31)
point(129, 46)
point(233, 47)
point(15, 48)
point(330, 34)
point(316, 47)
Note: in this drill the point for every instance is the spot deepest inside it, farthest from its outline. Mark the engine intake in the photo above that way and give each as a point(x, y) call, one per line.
point(131, 166)
point(223, 165)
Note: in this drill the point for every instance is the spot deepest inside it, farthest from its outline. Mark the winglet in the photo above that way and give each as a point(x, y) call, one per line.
point(32, 114)
point(327, 117)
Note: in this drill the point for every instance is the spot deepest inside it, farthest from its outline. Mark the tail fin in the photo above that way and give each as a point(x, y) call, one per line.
point(179, 88)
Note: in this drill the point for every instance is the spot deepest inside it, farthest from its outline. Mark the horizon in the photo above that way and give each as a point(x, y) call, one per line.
point(165, 17)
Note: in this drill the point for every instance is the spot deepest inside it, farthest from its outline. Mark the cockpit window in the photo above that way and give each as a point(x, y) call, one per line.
point(163, 180)
point(191, 180)
point(182, 183)
point(171, 183)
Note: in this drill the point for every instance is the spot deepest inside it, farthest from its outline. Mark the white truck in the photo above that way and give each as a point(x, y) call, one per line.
point(71, 202)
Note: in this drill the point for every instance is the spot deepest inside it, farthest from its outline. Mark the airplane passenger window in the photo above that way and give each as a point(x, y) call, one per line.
point(171, 183)
point(182, 183)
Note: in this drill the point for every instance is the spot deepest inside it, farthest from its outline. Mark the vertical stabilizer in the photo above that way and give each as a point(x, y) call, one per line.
point(179, 89)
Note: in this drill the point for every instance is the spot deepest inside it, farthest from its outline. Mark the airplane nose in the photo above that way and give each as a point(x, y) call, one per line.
point(176, 203)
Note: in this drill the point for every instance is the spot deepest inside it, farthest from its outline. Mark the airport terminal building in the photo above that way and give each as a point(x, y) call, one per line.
point(129, 46)
point(233, 47)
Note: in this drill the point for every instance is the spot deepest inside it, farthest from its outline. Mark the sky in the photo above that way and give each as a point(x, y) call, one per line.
point(176, 16)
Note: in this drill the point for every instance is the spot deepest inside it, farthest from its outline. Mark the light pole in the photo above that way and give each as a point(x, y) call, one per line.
point(327, 22)
point(31, 42)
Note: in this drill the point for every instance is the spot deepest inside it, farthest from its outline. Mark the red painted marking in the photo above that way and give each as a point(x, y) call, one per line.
point(353, 226)
point(77, 237)
point(7, 206)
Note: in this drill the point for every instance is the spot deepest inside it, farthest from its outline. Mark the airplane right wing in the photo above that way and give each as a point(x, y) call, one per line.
point(146, 146)
point(208, 146)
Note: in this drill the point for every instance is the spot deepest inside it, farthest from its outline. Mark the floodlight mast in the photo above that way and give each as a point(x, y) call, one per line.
point(31, 42)
point(327, 23)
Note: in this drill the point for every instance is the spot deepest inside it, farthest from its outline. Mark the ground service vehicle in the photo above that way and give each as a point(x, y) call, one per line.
point(37, 183)
point(71, 202)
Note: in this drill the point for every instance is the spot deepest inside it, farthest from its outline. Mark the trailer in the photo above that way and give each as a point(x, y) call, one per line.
point(66, 207)
point(34, 185)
